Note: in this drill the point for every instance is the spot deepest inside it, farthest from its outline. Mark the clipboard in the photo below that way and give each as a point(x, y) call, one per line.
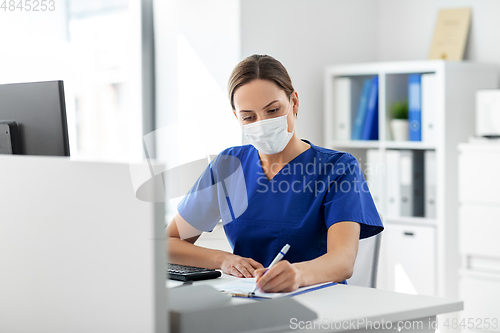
point(243, 288)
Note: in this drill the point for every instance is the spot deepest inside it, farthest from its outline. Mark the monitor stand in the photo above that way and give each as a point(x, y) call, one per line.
point(9, 137)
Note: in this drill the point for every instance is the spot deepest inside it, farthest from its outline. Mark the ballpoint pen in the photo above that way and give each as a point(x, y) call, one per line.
point(278, 257)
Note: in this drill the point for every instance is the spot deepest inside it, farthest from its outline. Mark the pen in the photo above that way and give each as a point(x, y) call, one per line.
point(278, 257)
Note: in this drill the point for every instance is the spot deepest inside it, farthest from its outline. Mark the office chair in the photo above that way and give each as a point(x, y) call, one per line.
point(365, 267)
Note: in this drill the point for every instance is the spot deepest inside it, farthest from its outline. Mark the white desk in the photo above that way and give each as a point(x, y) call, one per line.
point(340, 305)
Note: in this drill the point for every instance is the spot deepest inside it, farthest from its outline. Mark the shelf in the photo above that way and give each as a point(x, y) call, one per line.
point(410, 220)
point(452, 120)
point(355, 144)
point(367, 144)
point(463, 272)
point(409, 145)
point(404, 67)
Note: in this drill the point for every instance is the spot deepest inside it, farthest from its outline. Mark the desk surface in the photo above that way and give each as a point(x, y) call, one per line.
point(341, 303)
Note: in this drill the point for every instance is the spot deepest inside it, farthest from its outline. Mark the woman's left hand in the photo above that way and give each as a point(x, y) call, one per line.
point(282, 277)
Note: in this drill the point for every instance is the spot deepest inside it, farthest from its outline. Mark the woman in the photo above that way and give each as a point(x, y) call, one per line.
point(297, 193)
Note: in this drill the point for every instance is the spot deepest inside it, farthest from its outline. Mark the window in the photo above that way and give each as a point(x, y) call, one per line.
point(197, 46)
point(104, 37)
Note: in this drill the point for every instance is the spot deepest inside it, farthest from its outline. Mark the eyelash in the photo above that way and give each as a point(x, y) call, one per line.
point(270, 111)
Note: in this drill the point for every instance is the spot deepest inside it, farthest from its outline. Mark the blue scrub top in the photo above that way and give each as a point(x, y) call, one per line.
point(315, 190)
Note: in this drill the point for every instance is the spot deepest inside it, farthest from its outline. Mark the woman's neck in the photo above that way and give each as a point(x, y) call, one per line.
point(273, 163)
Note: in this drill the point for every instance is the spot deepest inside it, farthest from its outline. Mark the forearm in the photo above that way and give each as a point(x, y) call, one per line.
point(332, 266)
point(182, 252)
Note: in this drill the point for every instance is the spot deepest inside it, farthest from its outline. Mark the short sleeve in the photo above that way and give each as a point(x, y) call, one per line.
point(219, 193)
point(200, 206)
point(348, 198)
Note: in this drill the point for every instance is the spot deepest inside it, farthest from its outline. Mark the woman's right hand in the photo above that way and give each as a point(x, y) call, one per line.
point(240, 266)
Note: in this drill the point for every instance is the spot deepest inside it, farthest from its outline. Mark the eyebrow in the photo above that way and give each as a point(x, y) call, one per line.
point(263, 107)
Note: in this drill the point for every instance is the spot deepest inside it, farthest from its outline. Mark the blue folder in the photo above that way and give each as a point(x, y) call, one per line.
point(370, 124)
point(357, 129)
point(415, 107)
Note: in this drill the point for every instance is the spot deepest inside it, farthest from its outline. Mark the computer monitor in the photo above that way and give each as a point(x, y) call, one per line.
point(78, 251)
point(38, 109)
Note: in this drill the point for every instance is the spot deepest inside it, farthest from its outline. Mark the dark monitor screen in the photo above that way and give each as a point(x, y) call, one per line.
point(39, 110)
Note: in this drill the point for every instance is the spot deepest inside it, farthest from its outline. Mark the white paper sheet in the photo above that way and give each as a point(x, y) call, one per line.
point(244, 286)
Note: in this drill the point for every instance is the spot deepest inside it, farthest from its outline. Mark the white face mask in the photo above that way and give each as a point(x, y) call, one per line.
point(269, 136)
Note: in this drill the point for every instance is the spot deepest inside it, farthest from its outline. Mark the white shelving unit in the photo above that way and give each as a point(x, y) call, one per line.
point(427, 261)
point(479, 228)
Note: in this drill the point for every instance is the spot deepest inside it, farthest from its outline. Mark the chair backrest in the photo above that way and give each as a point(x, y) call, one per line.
point(365, 267)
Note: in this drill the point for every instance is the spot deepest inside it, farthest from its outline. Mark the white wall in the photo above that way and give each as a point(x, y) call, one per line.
point(306, 36)
point(405, 28)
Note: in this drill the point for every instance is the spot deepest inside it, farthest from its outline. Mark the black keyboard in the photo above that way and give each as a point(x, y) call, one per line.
point(190, 273)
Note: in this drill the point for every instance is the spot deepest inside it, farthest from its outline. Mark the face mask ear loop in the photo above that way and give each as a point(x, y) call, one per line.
point(290, 106)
